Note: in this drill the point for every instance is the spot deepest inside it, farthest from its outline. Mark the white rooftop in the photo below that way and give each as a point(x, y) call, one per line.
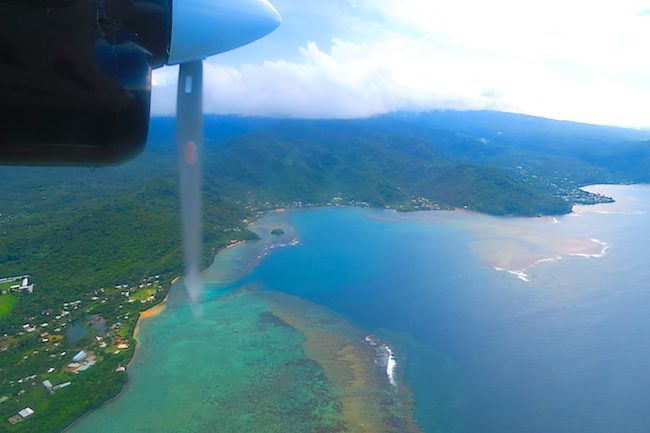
point(26, 412)
point(80, 356)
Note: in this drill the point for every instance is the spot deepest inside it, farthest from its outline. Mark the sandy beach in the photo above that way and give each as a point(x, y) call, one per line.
point(234, 245)
point(151, 312)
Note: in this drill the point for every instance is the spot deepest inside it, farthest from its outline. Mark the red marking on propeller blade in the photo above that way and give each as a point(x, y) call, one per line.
point(190, 153)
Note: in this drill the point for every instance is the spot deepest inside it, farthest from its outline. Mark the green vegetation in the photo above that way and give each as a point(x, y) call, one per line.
point(8, 285)
point(79, 233)
point(144, 295)
point(558, 155)
point(92, 229)
point(295, 163)
point(42, 351)
point(7, 304)
point(54, 411)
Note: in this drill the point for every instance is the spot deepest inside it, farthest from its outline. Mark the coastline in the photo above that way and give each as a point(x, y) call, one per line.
point(233, 245)
point(152, 311)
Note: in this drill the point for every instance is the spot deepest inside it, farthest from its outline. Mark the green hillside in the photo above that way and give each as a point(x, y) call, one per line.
point(312, 161)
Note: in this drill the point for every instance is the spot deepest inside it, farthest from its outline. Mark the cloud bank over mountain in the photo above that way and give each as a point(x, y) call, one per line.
point(348, 59)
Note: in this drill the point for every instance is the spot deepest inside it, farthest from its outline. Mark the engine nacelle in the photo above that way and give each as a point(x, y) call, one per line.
point(75, 75)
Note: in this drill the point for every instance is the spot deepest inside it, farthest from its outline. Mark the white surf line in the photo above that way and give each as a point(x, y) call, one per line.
point(390, 366)
point(391, 362)
point(269, 249)
point(602, 253)
point(547, 260)
point(522, 275)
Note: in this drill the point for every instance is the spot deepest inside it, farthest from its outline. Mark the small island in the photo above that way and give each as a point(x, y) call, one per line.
point(277, 232)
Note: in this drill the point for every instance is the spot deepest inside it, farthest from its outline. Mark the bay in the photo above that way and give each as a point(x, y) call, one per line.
point(498, 325)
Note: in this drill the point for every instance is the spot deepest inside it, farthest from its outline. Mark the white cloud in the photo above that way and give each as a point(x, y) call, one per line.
point(584, 61)
point(352, 80)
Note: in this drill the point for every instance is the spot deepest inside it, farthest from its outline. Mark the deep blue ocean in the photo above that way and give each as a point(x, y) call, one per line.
point(559, 345)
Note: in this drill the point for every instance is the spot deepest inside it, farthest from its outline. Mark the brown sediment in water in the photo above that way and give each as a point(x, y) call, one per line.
point(525, 243)
point(369, 403)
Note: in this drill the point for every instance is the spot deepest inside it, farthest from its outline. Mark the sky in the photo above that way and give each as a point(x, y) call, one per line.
point(581, 60)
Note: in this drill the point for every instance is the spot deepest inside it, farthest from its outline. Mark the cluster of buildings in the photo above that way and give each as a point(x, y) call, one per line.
point(51, 334)
point(53, 388)
point(22, 414)
point(146, 282)
point(421, 203)
point(82, 361)
point(22, 284)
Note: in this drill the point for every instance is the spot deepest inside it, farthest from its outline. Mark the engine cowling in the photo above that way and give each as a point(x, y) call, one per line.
point(75, 75)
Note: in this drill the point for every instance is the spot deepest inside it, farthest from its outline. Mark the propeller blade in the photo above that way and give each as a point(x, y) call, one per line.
point(189, 138)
